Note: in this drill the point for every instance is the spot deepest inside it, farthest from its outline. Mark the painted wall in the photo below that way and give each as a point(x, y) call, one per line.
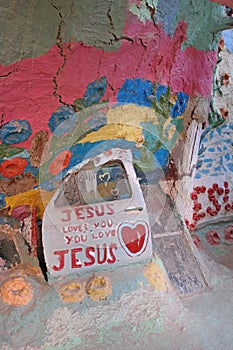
point(131, 74)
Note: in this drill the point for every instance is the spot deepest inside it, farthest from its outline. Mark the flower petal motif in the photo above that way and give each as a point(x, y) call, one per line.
point(228, 234)
point(213, 237)
point(13, 167)
point(16, 292)
point(60, 162)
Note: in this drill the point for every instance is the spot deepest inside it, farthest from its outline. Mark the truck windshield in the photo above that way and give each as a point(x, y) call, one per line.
point(89, 185)
point(9, 256)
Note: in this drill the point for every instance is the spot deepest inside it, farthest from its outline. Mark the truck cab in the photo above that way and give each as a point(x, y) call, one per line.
point(97, 219)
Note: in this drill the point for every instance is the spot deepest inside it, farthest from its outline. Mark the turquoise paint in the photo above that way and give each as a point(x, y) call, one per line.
point(205, 20)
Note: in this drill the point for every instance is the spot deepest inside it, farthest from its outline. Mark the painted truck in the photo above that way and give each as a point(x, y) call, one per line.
point(96, 220)
point(98, 217)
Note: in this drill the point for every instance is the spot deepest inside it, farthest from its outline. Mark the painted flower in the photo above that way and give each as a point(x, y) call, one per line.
point(13, 167)
point(136, 91)
point(21, 212)
point(95, 91)
point(72, 292)
point(60, 162)
point(228, 234)
point(180, 105)
point(225, 79)
point(213, 237)
point(160, 91)
point(15, 131)
point(62, 121)
point(16, 292)
point(99, 288)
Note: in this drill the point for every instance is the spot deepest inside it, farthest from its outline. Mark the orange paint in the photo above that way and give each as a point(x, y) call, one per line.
point(13, 167)
point(60, 162)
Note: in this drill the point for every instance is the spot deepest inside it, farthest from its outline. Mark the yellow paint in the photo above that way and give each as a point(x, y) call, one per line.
point(155, 276)
point(16, 292)
point(34, 198)
point(115, 131)
point(72, 292)
point(131, 114)
point(171, 132)
point(99, 288)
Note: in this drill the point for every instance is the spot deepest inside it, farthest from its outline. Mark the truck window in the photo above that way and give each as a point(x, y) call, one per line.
point(90, 185)
point(8, 254)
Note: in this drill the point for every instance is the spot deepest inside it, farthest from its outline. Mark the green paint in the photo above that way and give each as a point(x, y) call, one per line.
point(205, 20)
point(143, 11)
point(95, 23)
point(7, 151)
point(28, 29)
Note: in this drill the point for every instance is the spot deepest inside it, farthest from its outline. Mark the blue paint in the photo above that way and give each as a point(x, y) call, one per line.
point(62, 121)
point(198, 176)
point(95, 91)
point(160, 91)
point(199, 164)
point(208, 160)
point(161, 156)
point(180, 105)
point(31, 169)
point(218, 168)
point(228, 39)
point(230, 166)
point(2, 200)
point(15, 131)
point(209, 165)
point(227, 156)
point(97, 121)
point(211, 134)
point(166, 14)
point(205, 171)
point(211, 149)
point(219, 149)
point(136, 91)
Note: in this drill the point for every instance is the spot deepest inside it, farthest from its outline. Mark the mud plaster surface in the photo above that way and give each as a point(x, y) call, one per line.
point(141, 319)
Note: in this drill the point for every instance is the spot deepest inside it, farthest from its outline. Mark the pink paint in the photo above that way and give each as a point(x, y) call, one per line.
point(28, 92)
point(224, 2)
point(192, 71)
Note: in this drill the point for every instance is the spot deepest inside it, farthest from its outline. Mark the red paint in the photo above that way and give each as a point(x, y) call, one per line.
point(34, 232)
point(21, 212)
point(104, 254)
point(75, 263)
point(213, 237)
point(193, 196)
point(61, 254)
point(225, 199)
point(197, 206)
point(210, 191)
point(225, 184)
point(196, 241)
point(60, 162)
point(227, 207)
point(134, 237)
point(224, 2)
point(228, 234)
point(13, 167)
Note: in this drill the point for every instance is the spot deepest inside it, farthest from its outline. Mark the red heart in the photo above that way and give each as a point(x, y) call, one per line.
point(133, 237)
